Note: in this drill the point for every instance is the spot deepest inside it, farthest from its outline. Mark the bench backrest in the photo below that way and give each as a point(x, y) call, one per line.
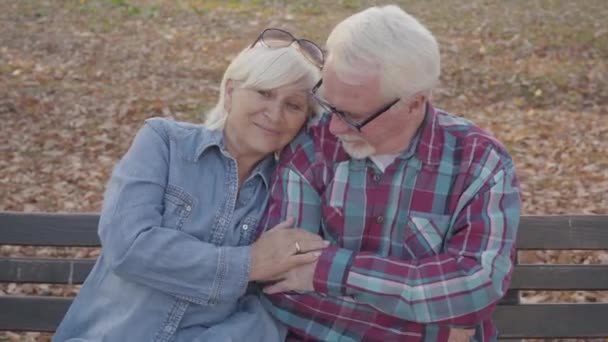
point(514, 319)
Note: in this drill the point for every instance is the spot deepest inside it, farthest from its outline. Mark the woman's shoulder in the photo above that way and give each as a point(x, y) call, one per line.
point(188, 138)
point(172, 127)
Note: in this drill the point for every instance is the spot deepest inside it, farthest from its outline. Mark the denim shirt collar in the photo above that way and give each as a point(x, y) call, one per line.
point(265, 168)
point(215, 138)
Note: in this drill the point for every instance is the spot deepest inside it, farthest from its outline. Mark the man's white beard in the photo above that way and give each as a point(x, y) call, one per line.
point(356, 147)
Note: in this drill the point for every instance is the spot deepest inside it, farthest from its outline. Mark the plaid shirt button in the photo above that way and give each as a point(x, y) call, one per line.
point(380, 219)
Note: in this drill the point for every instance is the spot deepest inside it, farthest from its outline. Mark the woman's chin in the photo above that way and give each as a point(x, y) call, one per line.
point(267, 148)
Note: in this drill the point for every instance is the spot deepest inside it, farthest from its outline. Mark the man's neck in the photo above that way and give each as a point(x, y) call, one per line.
point(382, 161)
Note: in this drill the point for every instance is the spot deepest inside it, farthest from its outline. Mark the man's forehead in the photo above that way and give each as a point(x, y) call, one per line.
point(348, 86)
point(356, 77)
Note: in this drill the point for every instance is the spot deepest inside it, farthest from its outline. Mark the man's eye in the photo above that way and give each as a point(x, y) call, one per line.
point(346, 115)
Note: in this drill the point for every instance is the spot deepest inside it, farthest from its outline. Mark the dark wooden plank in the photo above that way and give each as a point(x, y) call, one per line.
point(66, 229)
point(560, 277)
point(588, 320)
point(43, 270)
point(511, 297)
point(44, 229)
point(32, 313)
point(563, 232)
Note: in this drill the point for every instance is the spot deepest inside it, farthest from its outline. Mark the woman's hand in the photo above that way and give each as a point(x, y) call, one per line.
point(281, 249)
point(299, 279)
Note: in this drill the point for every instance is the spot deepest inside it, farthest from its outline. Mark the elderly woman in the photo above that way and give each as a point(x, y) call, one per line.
point(182, 207)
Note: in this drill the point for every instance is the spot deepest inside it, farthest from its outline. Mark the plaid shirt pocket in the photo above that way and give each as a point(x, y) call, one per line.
point(425, 234)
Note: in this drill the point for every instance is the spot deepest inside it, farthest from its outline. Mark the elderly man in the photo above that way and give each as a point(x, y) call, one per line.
point(421, 207)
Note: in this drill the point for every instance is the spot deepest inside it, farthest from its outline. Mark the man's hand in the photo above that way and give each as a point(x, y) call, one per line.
point(299, 279)
point(281, 249)
point(461, 335)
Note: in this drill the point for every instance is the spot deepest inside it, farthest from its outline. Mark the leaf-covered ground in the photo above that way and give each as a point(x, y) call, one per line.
point(77, 79)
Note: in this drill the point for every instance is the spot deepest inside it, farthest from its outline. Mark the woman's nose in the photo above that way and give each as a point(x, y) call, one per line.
point(274, 111)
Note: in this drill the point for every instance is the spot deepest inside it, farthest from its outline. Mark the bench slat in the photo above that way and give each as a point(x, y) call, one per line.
point(71, 229)
point(560, 277)
point(32, 313)
point(46, 229)
point(35, 313)
point(552, 320)
point(525, 277)
point(563, 232)
point(43, 270)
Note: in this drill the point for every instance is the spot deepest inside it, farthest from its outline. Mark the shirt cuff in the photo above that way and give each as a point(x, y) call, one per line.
point(232, 278)
point(332, 271)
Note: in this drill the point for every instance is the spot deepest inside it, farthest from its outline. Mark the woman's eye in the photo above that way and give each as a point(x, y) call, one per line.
point(264, 93)
point(295, 107)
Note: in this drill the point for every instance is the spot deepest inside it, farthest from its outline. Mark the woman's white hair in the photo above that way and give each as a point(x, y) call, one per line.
point(389, 41)
point(261, 67)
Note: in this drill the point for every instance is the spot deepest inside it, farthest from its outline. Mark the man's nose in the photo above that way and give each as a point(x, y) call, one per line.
point(337, 126)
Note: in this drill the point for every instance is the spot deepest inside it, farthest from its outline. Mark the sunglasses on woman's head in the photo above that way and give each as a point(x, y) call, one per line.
point(277, 38)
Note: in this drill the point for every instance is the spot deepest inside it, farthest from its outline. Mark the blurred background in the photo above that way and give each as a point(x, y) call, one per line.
point(79, 77)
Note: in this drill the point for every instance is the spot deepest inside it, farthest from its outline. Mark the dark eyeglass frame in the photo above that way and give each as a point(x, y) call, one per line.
point(309, 49)
point(343, 116)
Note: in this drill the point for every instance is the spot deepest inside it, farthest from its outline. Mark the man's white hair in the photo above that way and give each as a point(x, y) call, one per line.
point(390, 42)
point(264, 68)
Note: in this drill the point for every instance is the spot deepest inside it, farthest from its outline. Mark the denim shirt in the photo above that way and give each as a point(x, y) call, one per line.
point(175, 233)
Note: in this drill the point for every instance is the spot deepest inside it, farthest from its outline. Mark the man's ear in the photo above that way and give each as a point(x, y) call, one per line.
point(417, 104)
point(228, 92)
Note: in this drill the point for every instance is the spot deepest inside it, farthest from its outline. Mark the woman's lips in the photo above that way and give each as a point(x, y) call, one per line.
point(267, 129)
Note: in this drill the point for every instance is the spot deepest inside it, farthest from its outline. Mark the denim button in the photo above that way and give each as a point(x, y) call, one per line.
point(245, 226)
point(188, 208)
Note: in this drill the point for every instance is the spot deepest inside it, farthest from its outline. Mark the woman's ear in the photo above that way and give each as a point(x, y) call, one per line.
point(228, 92)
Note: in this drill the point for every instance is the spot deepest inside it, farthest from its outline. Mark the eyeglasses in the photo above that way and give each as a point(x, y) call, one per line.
point(357, 125)
point(277, 38)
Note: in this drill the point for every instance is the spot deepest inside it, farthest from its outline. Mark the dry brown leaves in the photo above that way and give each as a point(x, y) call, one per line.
point(77, 79)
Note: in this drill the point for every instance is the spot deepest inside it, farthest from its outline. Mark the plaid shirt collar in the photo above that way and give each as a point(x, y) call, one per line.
point(427, 142)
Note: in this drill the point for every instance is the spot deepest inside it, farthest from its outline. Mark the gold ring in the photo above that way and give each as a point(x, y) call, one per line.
point(298, 249)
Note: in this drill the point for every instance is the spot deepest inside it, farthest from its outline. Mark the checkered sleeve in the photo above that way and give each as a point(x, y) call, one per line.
point(292, 196)
point(292, 193)
point(459, 286)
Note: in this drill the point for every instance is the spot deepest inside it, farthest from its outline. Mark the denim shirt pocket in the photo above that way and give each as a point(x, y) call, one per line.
point(426, 233)
point(177, 207)
point(247, 230)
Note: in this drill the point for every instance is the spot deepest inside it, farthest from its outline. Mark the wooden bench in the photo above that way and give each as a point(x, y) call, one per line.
point(515, 320)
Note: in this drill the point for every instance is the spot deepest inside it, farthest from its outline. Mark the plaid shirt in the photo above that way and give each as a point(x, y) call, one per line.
point(423, 247)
